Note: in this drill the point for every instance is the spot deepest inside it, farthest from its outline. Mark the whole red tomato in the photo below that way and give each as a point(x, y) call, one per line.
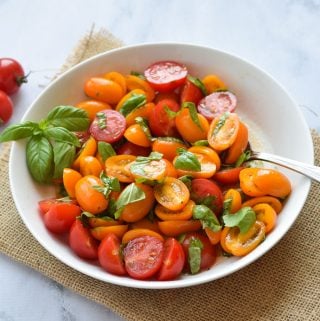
point(12, 75)
point(6, 107)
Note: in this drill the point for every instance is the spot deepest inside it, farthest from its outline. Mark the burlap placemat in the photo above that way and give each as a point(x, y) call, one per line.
point(282, 285)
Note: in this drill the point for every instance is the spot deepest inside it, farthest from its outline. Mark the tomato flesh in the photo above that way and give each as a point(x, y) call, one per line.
point(143, 257)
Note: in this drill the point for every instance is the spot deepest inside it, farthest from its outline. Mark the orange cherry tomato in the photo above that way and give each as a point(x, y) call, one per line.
point(104, 90)
point(175, 228)
point(236, 199)
point(208, 167)
point(89, 148)
point(214, 237)
point(118, 78)
point(70, 178)
point(189, 130)
point(133, 234)
point(172, 194)
point(170, 170)
point(146, 223)
point(223, 131)
point(92, 107)
point(136, 135)
point(167, 215)
point(208, 151)
point(154, 170)
point(129, 95)
point(213, 83)
point(272, 201)
point(239, 145)
point(167, 146)
point(101, 232)
point(133, 212)
point(241, 244)
point(118, 166)
point(134, 82)
point(143, 111)
point(90, 165)
point(102, 221)
point(88, 197)
point(267, 215)
point(247, 182)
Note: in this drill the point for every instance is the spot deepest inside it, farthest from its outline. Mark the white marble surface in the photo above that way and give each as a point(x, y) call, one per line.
point(282, 37)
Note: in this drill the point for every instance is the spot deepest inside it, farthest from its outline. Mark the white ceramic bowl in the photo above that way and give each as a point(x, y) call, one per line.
point(272, 116)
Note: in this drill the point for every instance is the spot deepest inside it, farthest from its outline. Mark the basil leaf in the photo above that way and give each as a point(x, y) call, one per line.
point(69, 117)
point(221, 122)
point(105, 150)
point(63, 156)
point(143, 123)
point(170, 139)
point(207, 217)
point(194, 255)
point(227, 206)
point(112, 208)
point(243, 158)
point(203, 142)
point(171, 114)
point(101, 120)
point(112, 182)
point(153, 156)
point(61, 134)
point(193, 113)
point(19, 131)
point(198, 83)
point(132, 103)
point(40, 158)
point(187, 161)
point(138, 74)
point(243, 219)
point(187, 180)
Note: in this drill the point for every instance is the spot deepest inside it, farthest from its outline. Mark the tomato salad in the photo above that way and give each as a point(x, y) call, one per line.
point(152, 173)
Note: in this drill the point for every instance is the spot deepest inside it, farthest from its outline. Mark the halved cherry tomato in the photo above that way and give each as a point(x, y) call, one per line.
point(88, 197)
point(188, 129)
point(172, 193)
point(45, 205)
point(208, 192)
point(236, 200)
point(135, 233)
point(266, 214)
point(118, 78)
point(247, 182)
point(175, 228)
point(104, 90)
point(239, 145)
point(82, 242)
point(117, 166)
point(136, 135)
point(167, 146)
point(173, 260)
point(191, 93)
point(217, 103)
point(228, 176)
point(133, 212)
point(6, 109)
point(60, 217)
point(213, 83)
point(129, 95)
point(208, 252)
point(241, 244)
point(144, 111)
point(143, 257)
point(102, 221)
point(161, 122)
point(90, 165)
point(92, 107)
point(70, 178)
point(89, 148)
point(102, 232)
point(170, 170)
point(154, 170)
point(167, 215)
point(165, 76)
point(109, 254)
point(108, 126)
point(272, 201)
point(208, 151)
point(223, 131)
point(134, 82)
point(129, 148)
point(146, 223)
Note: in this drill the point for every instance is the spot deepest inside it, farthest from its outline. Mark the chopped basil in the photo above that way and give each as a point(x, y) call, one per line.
point(193, 113)
point(194, 255)
point(187, 161)
point(102, 120)
point(243, 158)
point(198, 83)
point(203, 142)
point(143, 123)
point(132, 103)
point(243, 219)
point(207, 218)
point(105, 150)
point(171, 114)
point(221, 122)
point(138, 74)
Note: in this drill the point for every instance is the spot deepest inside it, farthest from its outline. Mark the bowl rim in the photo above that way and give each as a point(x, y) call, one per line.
point(190, 281)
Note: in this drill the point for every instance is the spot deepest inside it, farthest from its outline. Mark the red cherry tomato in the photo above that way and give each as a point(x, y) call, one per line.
point(160, 122)
point(205, 191)
point(109, 126)
point(228, 176)
point(129, 148)
point(165, 76)
point(208, 252)
point(109, 255)
point(11, 75)
point(6, 107)
point(60, 217)
point(45, 205)
point(217, 103)
point(82, 242)
point(143, 257)
point(191, 93)
point(173, 260)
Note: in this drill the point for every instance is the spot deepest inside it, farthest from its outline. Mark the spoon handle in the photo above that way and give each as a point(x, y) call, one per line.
point(310, 171)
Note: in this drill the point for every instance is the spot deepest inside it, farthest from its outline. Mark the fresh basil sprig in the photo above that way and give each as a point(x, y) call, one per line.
point(243, 219)
point(51, 145)
point(187, 161)
point(207, 218)
point(194, 255)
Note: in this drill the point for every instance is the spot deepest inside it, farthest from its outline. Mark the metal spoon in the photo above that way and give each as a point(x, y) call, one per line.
point(310, 171)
